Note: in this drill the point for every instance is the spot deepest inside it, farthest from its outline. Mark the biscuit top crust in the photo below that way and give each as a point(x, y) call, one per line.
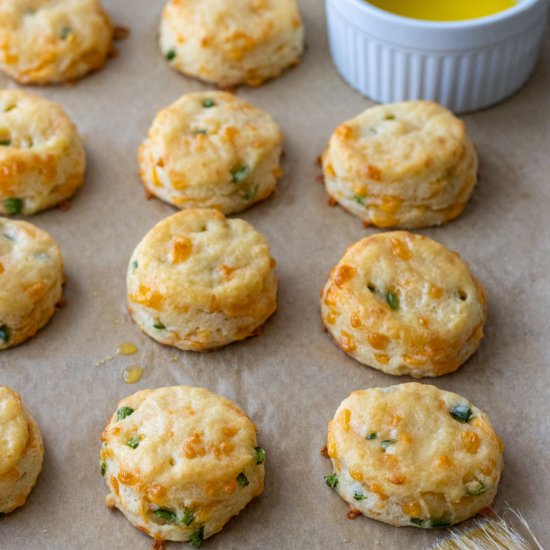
point(199, 258)
point(185, 436)
point(405, 438)
point(205, 139)
point(14, 429)
point(44, 35)
point(233, 27)
point(409, 287)
point(30, 266)
point(395, 142)
point(31, 125)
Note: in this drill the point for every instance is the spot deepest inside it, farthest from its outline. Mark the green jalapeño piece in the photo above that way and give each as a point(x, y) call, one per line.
point(13, 205)
point(166, 515)
point(260, 455)
point(242, 480)
point(133, 442)
point(332, 480)
point(393, 300)
point(461, 413)
point(123, 412)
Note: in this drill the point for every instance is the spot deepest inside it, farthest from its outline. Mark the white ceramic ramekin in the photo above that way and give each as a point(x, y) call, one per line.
point(464, 65)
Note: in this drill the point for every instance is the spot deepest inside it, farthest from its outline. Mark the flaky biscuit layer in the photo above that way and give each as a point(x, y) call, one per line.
point(199, 281)
point(212, 150)
point(21, 451)
point(42, 160)
point(231, 42)
point(184, 451)
point(53, 41)
point(31, 279)
point(404, 304)
point(409, 164)
point(414, 455)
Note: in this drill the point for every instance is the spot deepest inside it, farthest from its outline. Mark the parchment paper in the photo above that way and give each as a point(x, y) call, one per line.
point(290, 379)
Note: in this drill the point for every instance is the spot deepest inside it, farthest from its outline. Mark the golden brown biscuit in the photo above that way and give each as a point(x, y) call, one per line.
point(180, 462)
point(53, 41)
point(404, 304)
point(212, 150)
point(31, 279)
point(42, 160)
point(21, 451)
point(414, 455)
point(231, 42)
point(199, 281)
point(409, 164)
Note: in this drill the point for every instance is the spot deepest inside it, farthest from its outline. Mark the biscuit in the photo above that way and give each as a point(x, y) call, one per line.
point(21, 451)
point(232, 42)
point(31, 279)
point(407, 165)
point(53, 41)
point(42, 160)
point(404, 304)
point(180, 462)
point(414, 455)
point(212, 150)
point(199, 281)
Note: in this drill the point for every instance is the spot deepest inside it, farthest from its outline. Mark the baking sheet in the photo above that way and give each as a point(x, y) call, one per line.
point(291, 378)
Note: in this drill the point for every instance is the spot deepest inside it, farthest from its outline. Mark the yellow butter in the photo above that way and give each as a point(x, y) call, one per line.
point(448, 10)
